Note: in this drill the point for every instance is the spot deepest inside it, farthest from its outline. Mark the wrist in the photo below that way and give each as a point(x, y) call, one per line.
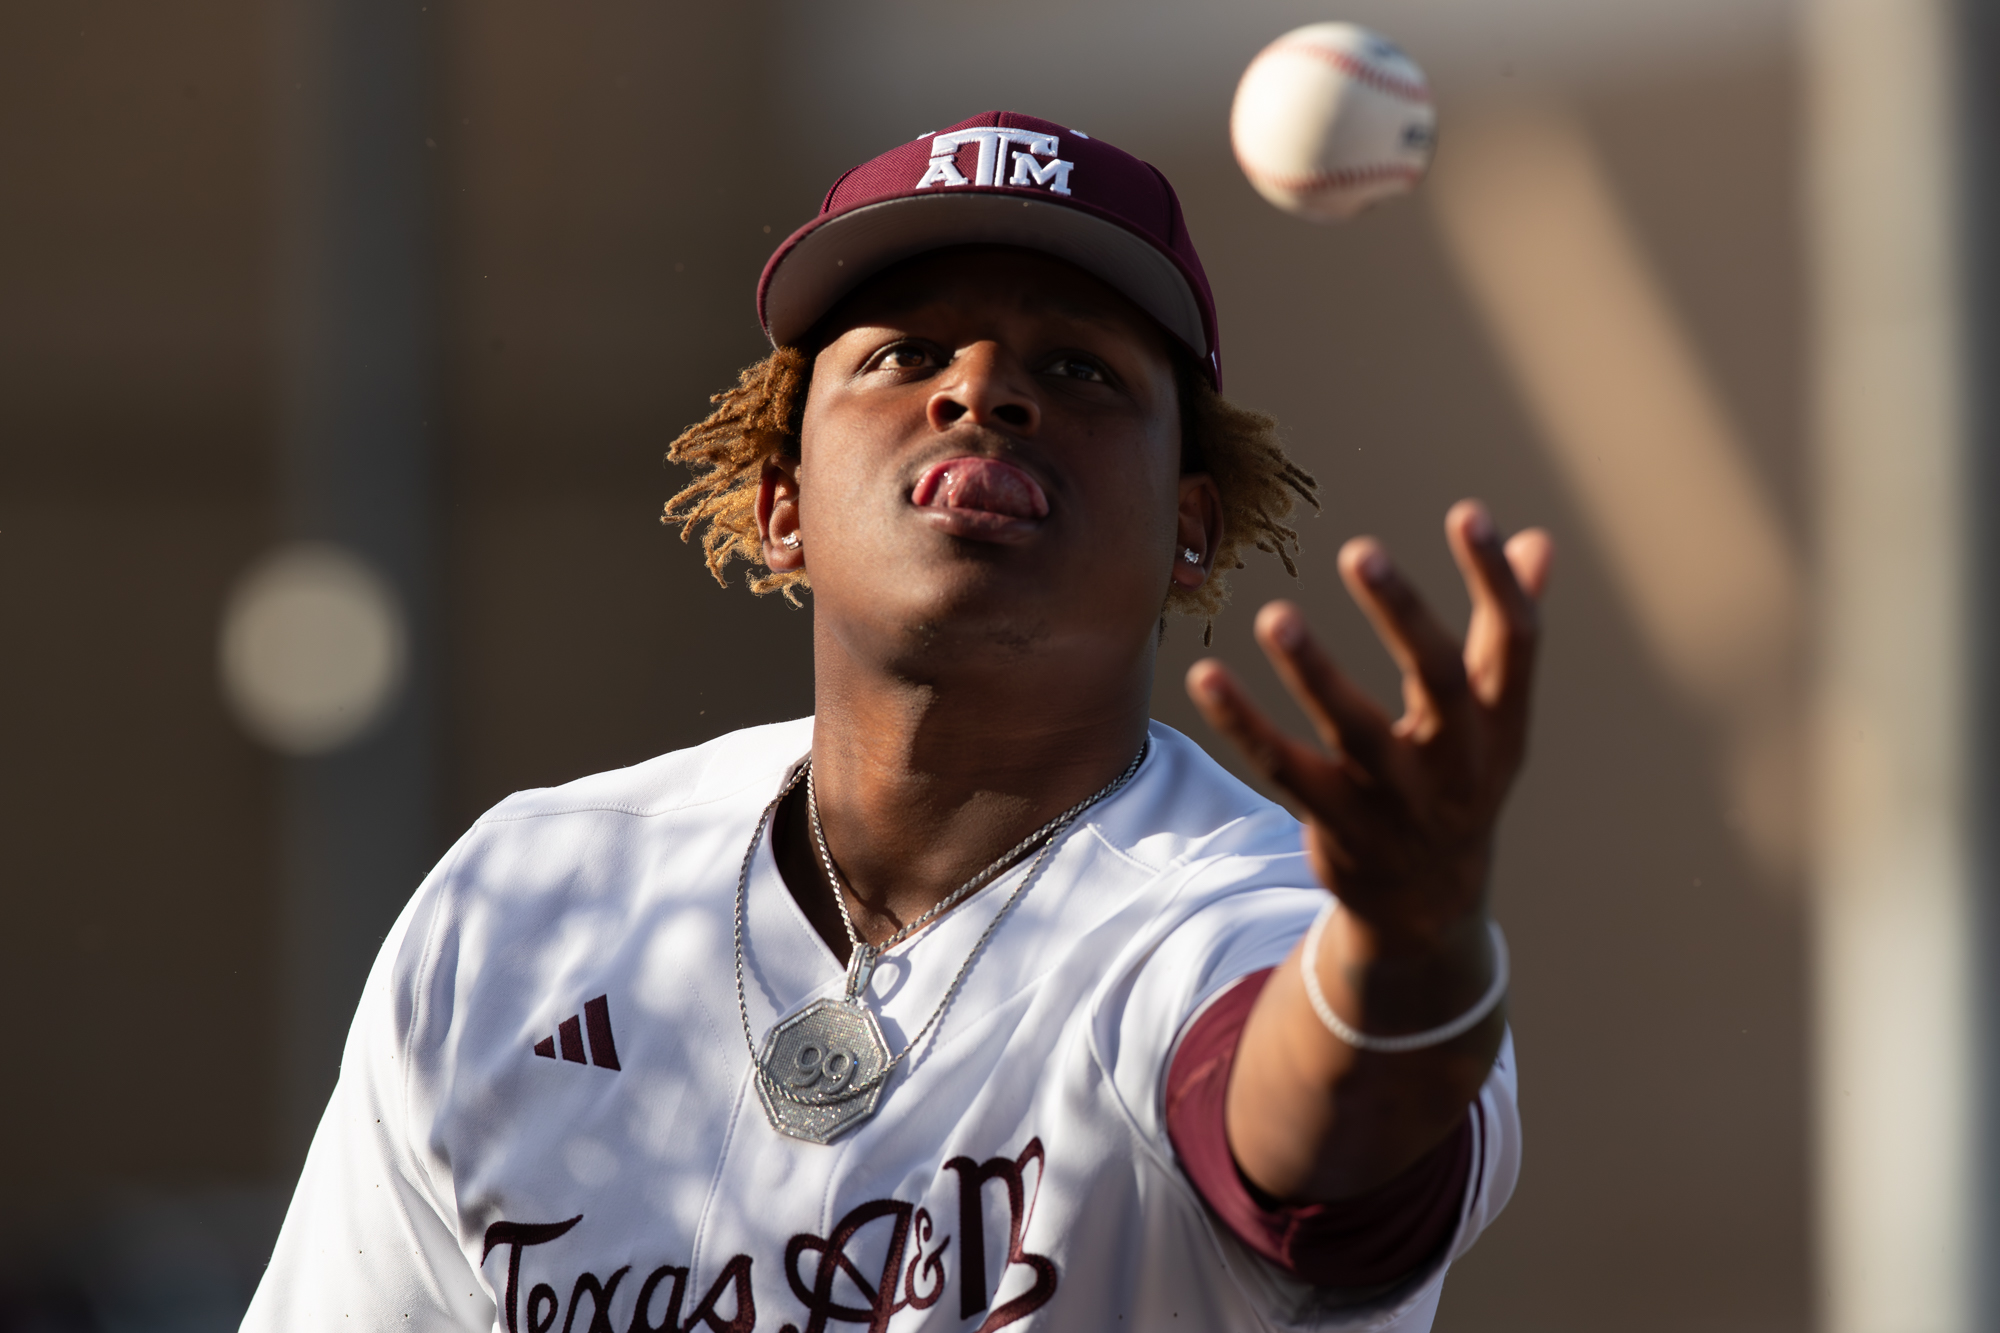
point(1395, 983)
point(1405, 940)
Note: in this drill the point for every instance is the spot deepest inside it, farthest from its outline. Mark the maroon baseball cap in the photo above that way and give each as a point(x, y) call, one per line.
point(1000, 178)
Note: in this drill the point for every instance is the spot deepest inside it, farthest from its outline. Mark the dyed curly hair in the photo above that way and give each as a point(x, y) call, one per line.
point(761, 417)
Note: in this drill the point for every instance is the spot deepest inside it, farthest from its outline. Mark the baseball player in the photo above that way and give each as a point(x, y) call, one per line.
point(977, 999)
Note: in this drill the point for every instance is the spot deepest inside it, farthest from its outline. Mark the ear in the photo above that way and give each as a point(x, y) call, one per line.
point(778, 515)
point(1199, 529)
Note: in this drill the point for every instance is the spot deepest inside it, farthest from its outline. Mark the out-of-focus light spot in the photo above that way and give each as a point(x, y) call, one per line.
point(313, 648)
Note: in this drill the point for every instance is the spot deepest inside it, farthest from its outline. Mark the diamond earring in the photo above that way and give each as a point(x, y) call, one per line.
point(790, 539)
point(1187, 554)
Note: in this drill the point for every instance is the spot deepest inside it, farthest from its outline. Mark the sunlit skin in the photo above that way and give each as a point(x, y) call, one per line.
point(975, 675)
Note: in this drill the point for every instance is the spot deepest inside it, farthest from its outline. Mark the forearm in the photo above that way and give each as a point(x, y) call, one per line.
point(1312, 1119)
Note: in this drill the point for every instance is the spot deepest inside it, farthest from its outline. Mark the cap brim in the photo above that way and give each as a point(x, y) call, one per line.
point(827, 261)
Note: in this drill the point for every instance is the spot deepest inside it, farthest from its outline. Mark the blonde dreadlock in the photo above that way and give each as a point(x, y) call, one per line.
point(761, 417)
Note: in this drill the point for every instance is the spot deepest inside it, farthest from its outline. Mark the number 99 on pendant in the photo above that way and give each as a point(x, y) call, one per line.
point(811, 1066)
point(829, 1069)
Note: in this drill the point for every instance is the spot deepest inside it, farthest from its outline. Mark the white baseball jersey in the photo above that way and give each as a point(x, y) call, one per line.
point(546, 1117)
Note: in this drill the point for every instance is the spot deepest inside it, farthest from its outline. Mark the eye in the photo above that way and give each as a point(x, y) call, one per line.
point(906, 356)
point(1079, 367)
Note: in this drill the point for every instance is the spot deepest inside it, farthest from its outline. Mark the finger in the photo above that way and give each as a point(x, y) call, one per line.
point(1531, 552)
point(1347, 719)
point(1435, 693)
point(1315, 780)
point(1500, 640)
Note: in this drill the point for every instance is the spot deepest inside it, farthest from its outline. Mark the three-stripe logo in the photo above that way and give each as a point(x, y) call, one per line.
point(595, 1020)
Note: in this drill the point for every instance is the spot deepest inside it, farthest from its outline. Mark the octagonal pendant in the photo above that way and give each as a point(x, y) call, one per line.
point(812, 1065)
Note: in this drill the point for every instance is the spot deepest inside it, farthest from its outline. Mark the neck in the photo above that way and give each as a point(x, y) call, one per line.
point(922, 783)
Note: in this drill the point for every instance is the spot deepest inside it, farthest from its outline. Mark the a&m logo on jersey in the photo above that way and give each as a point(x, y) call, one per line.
point(1006, 157)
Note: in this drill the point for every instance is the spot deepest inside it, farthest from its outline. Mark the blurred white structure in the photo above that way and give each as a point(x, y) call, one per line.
point(1898, 1042)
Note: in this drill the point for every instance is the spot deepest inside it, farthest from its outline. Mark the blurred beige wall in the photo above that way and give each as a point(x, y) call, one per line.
point(605, 179)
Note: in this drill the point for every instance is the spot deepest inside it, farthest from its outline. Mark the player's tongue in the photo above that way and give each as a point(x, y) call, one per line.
point(984, 484)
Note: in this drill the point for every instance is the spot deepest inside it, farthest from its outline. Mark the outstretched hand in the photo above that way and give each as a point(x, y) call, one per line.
point(1400, 814)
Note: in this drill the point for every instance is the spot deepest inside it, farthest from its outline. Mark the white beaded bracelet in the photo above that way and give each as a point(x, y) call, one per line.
point(1415, 1041)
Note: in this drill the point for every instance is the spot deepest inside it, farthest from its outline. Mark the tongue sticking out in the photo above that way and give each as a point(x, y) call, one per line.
point(983, 484)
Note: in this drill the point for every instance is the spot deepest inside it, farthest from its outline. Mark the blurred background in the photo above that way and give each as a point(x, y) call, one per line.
point(341, 341)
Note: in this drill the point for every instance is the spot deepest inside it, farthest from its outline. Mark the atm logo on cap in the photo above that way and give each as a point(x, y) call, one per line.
point(998, 149)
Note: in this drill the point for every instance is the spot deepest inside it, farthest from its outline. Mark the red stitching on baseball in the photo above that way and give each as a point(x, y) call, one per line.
point(1315, 181)
point(1355, 69)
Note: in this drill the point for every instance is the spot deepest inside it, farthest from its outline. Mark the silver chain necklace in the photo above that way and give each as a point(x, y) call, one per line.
point(823, 1070)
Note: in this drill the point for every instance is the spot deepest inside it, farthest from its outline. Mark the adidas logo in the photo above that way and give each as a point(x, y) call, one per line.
point(596, 1020)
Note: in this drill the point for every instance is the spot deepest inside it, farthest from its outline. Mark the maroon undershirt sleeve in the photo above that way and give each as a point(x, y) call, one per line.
point(1371, 1240)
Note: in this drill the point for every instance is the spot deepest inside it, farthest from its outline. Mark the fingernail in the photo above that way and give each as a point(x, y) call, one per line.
point(1374, 568)
point(1290, 632)
point(1209, 687)
point(1479, 527)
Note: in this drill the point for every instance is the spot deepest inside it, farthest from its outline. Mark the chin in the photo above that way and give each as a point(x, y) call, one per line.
point(968, 608)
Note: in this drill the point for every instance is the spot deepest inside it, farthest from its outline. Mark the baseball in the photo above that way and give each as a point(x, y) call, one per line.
point(1330, 119)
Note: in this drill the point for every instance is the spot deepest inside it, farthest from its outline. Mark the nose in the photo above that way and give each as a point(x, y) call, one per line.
point(984, 387)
